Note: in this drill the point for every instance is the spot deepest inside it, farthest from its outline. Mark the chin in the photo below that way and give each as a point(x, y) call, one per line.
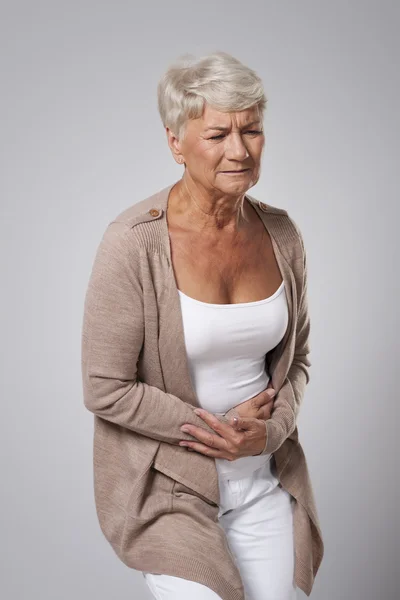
point(242, 185)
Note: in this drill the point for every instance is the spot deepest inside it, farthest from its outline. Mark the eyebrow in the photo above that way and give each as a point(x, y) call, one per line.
point(219, 128)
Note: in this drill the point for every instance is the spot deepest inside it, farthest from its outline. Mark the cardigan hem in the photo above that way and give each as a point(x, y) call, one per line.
point(306, 584)
point(179, 565)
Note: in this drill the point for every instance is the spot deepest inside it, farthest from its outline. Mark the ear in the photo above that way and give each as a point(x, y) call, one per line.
point(174, 145)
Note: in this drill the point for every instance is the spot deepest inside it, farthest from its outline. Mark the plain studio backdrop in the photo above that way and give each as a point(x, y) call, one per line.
point(81, 140)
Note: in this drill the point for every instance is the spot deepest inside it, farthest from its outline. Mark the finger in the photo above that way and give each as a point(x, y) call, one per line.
point(265, 411)
point(244, 424)
point(209, 439)
point(264, 397)
point(267, 407)
point(204, 449)
point(223, 428)
point(234, 420)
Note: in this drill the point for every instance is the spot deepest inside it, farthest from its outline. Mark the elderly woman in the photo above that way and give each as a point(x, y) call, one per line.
point(195, 360)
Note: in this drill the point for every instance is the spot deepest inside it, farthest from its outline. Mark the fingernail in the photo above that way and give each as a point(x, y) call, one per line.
point(198, 411)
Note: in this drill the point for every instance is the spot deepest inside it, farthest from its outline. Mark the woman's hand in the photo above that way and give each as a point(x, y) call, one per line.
point(246, 438)
point(257, 407)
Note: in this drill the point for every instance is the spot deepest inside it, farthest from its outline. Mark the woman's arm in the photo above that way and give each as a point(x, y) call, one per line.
point(288, 400)
point(112, 338)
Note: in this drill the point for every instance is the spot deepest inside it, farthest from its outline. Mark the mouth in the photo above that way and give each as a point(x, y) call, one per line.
point(236, 172)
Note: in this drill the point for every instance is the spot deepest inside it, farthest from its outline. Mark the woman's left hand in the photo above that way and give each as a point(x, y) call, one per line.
point(246, 438)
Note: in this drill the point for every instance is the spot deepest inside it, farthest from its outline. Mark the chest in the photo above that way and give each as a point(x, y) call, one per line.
point(225, 269)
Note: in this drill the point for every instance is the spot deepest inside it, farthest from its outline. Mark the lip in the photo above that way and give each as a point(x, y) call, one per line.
point(235, 172)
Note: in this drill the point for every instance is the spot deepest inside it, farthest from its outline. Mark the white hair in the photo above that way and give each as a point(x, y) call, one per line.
point(218, 79)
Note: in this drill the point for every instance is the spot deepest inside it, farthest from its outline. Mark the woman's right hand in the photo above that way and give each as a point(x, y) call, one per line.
point(257, 407)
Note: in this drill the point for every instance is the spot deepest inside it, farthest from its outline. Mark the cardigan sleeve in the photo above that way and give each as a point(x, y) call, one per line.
point(288, 400)
point(112, 338)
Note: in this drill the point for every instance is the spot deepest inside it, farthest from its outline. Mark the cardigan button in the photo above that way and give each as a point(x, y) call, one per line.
point(154, 212)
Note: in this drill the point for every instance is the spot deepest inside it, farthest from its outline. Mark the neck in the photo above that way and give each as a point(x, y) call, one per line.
point(210, 210)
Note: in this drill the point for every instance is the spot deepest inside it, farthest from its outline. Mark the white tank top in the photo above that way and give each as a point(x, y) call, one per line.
point(226, 346)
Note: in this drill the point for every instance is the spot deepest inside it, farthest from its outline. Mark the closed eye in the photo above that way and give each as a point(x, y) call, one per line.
point(252, 132)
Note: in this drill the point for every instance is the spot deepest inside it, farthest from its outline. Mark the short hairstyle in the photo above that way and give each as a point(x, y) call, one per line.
point(219, 79)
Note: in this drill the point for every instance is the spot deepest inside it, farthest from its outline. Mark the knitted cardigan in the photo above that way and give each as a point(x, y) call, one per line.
point(156, 503)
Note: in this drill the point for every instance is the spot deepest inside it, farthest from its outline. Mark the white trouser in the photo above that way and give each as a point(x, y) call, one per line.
point(257, 516)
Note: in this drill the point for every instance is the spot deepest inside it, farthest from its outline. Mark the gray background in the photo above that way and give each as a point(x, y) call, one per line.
point(81, 140)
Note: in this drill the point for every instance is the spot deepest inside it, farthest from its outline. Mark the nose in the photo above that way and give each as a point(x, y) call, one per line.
point(235, 148)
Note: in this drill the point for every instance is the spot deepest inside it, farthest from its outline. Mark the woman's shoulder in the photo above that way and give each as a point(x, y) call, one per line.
point(284, 222)
point(267, 208)
point(146, 209)
point(283, 227)
point(121, 235)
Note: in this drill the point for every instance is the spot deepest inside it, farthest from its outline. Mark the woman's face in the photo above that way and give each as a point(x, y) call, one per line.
point(222, 151)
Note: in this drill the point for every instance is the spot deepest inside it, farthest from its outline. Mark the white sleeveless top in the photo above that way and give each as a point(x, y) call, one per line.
point(226, 346)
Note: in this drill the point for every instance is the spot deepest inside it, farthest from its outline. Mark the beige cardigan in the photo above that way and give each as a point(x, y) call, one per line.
point(157, 503)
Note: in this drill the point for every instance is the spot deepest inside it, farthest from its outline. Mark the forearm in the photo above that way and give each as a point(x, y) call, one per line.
point(286, 408)
point(140, 407)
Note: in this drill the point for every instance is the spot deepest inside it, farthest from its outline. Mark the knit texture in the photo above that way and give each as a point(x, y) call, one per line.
point(157, 504)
